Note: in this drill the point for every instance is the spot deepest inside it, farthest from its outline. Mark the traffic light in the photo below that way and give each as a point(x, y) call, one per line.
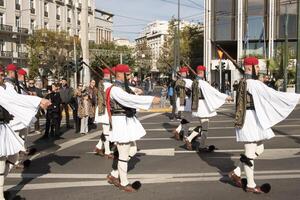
point(80, 64)
point(223, 65)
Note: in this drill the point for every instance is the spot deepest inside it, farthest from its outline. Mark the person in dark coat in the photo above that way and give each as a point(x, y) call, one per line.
point(53, 115)
point(66, 94)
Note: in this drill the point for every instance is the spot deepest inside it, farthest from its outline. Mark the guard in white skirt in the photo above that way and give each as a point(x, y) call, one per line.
point(13, 83)
point(205, 100)
point(258, 108)
point(126, 128)
point(102, 116)
point(183, 90)
point(22, 108)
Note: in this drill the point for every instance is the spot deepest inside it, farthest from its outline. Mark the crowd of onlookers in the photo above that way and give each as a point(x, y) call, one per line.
point(81, 101)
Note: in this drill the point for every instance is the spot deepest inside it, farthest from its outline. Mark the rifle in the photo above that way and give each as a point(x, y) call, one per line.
point(92, 70)
point(229, 57)
point(193, 71)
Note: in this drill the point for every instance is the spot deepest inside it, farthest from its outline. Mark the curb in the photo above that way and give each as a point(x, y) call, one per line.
point(156, 110)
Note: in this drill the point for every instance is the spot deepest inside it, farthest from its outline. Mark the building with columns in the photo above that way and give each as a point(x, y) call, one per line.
point(246, 27)
point(19, 18)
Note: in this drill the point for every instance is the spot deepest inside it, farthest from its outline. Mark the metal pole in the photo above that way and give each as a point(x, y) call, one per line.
point(298, 53)
point(220, 74)
point(85, 42)
point(178, 36)
point(121, 58)
point(286, 56)
point(74, 44)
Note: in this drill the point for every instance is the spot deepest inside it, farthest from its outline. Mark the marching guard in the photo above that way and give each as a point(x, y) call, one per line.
point(102, 116)
point(121, 104)
point(205, 101)
point(183, 89)
point(21, 108)
point(258, 108)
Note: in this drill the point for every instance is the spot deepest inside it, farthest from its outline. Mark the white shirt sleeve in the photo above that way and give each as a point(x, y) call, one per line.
point(188, 83)
point(213, 98)
point(130, 100)
point(22, 107)
point(271, 106)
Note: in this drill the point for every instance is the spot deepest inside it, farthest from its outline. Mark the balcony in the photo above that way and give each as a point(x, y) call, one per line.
point(69, 20)
point(7, 54)
point(18, 6)
point(22, 30)
point(61, 2)
point(32, 10)
point(7, 28)
point(22, 55)
point(69, 2)
point(90, 10)
point(46, 14)
point(2, 3)
point(57, 17)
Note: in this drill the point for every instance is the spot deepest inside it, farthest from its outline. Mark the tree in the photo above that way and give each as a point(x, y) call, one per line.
point(51, 51)
point(191, 46)
point(276, 64)
point(110, 54)
point(143, 58)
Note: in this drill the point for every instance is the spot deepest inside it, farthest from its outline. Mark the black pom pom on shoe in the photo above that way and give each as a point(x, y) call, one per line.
point(136, 185)
point(32, 151)
point(266, 188)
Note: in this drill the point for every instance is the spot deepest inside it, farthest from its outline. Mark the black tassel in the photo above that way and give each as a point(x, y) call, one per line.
point(32, 151)
point(266, 188)
point(136, 185)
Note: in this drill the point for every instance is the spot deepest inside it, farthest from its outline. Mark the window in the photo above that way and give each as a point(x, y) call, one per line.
point(224, 20)
point(46, 25)
point(32, 7)
point(58, 12)
point(2, 3)
point(31, 3)
point(18, 22)
point(32, 24)
point(256, 19)
point(286, 8)
point(46, 8)
point(1, 45)
point(18, 5)
point(1, 18)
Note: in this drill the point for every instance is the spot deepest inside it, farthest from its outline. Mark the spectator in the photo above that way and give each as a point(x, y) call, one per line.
point(171, 96)
point(53, 115)
point(93, 95)
point(35, 92)
point(85, 110)
point(227, 88)
point(74, 105)
point(66, 94)
point(235, 88)
point(163, 94)
point(148, 86)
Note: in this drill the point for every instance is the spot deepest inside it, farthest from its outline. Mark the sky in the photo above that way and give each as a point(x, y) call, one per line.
point(131, 16)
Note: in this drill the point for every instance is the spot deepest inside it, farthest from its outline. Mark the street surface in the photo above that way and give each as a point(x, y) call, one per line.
point(66, 168)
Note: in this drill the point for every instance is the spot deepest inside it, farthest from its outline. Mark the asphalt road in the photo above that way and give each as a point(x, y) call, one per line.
point(66, 168)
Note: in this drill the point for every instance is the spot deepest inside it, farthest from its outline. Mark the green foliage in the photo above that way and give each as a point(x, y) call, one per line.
point(51, 51)
point(110, 54)
point(191, 47)
point(276, 65)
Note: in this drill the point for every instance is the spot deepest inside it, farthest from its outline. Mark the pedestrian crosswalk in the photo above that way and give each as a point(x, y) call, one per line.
point(158, 148)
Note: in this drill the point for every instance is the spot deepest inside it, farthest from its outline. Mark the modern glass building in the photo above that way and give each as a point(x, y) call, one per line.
point(244, 27)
